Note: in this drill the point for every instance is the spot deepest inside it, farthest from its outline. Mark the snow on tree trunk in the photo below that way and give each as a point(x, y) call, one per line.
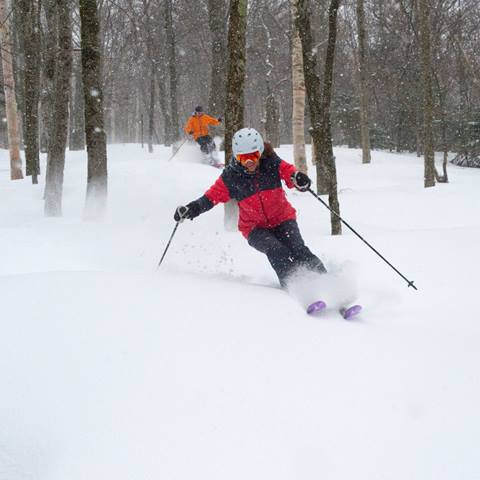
point(97, 179)
point(298, 96)
point(59, 130)
point(9, 89)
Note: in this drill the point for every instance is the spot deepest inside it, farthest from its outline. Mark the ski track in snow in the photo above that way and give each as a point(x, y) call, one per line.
point(205, 369)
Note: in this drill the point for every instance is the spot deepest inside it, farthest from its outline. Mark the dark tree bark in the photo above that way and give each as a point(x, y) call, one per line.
point(172, 69)
point(58, 140)
point(217, 10)
point(30, 29)
point(235, 101)
point(271, 106)
point(9, 89)
point(97, 179)
point(312, 86)
point(48, 48)
point(77, 118)
point(320, 105)
point(429, 155)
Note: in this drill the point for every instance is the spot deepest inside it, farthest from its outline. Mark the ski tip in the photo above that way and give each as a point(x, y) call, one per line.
point(316, 307)
point(350, 312)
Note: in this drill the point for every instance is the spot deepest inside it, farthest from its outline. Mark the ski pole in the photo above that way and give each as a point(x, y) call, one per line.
point(409, 282)
point(168, 244)
point(176, 151)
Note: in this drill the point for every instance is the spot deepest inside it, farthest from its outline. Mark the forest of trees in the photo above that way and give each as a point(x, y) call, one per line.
point(398, 75)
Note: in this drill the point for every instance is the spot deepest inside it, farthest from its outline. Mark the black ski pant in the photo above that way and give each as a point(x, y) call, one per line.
point(206, 144)
point(285, 249)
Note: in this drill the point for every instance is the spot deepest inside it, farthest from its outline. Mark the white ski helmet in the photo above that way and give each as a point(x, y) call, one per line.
point(247, 140)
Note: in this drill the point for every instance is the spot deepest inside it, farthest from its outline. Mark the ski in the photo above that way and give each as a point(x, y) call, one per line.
point(316, 307)
point(350, 312)
point(347, 313)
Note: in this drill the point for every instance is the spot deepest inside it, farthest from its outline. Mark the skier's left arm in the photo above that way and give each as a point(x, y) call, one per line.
point(212, 121)
point(293, 177)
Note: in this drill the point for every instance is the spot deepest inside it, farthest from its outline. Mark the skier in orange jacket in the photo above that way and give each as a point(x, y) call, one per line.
point(197, 127)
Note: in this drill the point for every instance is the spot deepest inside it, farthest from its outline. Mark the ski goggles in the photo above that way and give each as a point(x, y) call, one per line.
point(249, 159)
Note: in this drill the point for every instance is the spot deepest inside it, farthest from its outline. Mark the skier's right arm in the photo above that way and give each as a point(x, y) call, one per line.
point(217, 193)
point(189, 127)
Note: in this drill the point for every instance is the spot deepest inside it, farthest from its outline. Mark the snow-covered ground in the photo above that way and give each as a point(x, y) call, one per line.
point(110, 369)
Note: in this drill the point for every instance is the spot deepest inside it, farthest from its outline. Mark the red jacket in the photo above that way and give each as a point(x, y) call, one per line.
point(261, 199)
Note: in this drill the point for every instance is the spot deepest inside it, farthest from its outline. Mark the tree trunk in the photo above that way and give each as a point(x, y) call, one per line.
point(320, 109)
point(31, 88)
point(429, 155)
point(235, 89)
point(48, 47)
point(58, 140)
point(151, 107)
point(312, 85)
point(77, 125)
point(97, 179)
point(298, 95)
point(9, 89)
point(326, 137)
point(271, 107)
point(172, 68)
point(216, 19)
point(167, 123)
point(236, 72)
point(363, 73)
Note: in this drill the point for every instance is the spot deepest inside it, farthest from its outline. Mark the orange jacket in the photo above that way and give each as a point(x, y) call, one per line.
point(198, 125)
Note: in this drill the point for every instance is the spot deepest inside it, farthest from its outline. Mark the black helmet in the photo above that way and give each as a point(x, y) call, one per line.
point(198, 109)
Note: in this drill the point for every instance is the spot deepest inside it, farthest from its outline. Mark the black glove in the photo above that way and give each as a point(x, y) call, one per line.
point(190, 133)
point(219, 119)
point(301, 181)
point(189, 211)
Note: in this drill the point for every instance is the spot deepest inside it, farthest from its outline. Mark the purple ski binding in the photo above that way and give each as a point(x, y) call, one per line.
point(316, 307)
point(350, 312)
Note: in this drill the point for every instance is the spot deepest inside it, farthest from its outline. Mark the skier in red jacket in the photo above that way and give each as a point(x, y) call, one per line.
point(266, 218)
